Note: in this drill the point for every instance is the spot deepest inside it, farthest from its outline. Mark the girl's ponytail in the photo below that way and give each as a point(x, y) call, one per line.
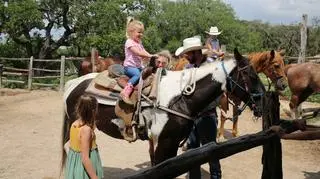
point(129, 20)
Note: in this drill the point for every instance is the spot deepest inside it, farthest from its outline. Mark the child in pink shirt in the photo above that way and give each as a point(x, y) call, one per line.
point(134, 53)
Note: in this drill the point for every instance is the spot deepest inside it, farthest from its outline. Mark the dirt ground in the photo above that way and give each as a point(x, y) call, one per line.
point(30, 135)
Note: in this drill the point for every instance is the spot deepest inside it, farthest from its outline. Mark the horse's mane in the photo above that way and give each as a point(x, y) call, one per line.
point(259, 56)
point(261, 60)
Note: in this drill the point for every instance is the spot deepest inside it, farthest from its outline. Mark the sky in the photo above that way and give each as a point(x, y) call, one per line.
point(275, 11)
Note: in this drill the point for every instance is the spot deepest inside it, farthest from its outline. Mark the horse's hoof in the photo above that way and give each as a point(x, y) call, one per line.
point(221, 139)
point(235, 134)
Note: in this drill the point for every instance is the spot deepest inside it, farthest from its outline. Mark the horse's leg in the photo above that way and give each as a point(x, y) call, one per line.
point(223, 117)
point(166, 148)
point(151, 152)
point(298, 99)
point(294, 105)
point(235, 120)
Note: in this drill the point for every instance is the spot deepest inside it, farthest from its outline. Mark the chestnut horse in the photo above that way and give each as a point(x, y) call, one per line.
point(100, 64)
point(271, 63)
point(303, 80)
point(168, 128)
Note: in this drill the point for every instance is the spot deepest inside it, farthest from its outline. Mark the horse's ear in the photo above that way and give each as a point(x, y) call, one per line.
point(272, 54)
point(282, 52)
point(237, 55)
point(152, 62)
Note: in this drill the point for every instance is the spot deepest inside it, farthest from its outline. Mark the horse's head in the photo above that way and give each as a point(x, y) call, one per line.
point(272, 65)
point(245, 84)
point(180, 63)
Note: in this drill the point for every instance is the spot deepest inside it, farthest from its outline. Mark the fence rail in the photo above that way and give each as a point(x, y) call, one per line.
point(6, 72)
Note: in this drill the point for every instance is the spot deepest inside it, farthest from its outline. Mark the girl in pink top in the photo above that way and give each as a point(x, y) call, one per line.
point(134, 53)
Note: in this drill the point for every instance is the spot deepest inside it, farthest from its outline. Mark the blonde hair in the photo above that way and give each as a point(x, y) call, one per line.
point(166, 54)
point(86, 109)
point(133, 25)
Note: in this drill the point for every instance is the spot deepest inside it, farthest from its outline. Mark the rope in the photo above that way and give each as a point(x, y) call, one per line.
point(191, 85)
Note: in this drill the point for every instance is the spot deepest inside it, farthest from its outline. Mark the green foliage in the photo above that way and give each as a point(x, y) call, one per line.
point(101, 24)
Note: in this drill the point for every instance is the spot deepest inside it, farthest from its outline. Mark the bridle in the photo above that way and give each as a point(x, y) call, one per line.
point(233, 84)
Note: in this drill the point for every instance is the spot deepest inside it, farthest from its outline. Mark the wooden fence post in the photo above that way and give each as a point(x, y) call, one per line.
point(30, 73)
point(1, 69)
point(272, 152)
point(62, 67)
point(303, 45)
point(93, 60)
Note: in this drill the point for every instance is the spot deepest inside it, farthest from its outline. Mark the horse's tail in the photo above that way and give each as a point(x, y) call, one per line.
point(64, 139)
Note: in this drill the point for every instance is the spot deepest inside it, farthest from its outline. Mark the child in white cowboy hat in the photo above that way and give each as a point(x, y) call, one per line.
point(212, 43)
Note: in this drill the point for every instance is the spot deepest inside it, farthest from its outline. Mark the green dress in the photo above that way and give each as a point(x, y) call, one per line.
point(74, 166)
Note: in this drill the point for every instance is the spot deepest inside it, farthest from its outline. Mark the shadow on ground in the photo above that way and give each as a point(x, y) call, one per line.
point(311, 175)
point(118, 173)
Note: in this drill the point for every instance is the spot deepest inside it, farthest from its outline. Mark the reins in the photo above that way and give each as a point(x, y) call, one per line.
point(231, 81)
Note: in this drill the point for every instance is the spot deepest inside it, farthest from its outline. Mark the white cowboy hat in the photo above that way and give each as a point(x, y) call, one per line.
point(213, 31)
point(190, 44)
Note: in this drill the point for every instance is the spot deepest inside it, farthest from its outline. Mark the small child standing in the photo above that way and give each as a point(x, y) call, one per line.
point(134, 54)
point(83, 159)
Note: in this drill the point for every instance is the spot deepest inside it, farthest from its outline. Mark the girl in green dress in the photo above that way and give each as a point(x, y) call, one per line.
point(83, 159)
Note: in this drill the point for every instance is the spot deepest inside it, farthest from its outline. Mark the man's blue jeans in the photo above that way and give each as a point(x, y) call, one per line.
point(204, 131)
point(133, 73)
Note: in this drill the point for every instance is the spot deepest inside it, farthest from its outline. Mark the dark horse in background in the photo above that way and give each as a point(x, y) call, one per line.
point(168, 129)
point(100, 64)
point(271, 63)
point(303, 80)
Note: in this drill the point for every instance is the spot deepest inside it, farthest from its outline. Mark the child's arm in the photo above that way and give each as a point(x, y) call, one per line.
point(214, 51)
point(141, 53)
point(85, 143)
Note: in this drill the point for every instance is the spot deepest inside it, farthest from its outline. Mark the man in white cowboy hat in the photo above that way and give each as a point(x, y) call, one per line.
point(192, 48)
point(205, 127)
point(212, 43)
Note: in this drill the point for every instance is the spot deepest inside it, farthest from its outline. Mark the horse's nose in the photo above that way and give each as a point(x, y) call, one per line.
point(281, 84)
point(256, 110)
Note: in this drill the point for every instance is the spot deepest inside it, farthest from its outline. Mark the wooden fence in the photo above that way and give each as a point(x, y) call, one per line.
point(6, 72)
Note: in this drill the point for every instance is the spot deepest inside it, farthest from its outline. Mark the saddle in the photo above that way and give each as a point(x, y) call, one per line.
point(109, 83)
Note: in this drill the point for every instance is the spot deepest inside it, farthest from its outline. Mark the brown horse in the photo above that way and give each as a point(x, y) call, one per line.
point(270, 63)
point(303, 80)
point(100, 64)
point(179, 64)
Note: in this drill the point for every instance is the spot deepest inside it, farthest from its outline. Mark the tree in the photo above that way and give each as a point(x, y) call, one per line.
point(30, 23)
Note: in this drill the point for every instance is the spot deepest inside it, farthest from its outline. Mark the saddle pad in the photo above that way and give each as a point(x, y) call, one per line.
point(103, 79)
point(116, 70)
point(100, 91)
